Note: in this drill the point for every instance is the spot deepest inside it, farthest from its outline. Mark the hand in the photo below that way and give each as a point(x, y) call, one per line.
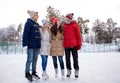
point(78, 47)
point(25, 47)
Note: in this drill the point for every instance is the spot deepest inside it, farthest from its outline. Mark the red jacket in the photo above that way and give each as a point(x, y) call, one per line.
point(72, 35)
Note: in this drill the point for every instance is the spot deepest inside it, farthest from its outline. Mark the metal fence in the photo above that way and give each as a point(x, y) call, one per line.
point(16, 48)
point(100, 47)
point(11, 48)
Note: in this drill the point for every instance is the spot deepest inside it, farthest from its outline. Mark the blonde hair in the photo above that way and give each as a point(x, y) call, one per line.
point(44, 27)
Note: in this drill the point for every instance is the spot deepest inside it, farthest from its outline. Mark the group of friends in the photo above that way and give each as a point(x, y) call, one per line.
point(60, 39)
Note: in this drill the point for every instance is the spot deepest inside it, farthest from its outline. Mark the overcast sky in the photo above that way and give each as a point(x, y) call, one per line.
point(15, 11)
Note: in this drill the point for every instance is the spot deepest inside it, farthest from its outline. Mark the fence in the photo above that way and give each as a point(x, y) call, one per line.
point(11, 48)
point(100, 47)
point(16, 48)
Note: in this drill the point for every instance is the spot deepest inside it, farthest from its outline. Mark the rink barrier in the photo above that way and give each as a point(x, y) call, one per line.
point(16, 48)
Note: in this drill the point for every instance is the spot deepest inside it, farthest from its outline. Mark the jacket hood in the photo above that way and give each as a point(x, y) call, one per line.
point(73, 22)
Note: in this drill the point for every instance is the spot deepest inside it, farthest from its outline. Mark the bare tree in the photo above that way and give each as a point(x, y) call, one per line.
point(8, 34)
point(19, 30)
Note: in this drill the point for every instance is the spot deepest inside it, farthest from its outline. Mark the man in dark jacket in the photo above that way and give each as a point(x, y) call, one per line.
point(72, 43)
point(32, 40)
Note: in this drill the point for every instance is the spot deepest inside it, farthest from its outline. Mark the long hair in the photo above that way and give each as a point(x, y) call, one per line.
point(44, 27)
point(54, 29)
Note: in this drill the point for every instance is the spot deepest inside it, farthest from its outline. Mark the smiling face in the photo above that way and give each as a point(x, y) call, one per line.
point(67, 19)
point(47, 24)
point(58, 22)
point(35, 17)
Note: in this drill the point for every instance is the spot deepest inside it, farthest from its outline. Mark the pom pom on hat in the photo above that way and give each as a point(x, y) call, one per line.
point(54, 20)
point(70, 15)
point(31, 13)
point(44, 21)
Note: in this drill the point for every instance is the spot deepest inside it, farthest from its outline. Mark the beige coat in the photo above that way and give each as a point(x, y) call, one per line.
point(57, 48)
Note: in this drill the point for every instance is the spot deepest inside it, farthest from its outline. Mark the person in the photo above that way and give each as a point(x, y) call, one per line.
point(72, 43)
point(57, 49)
point(32, 41)
point(45, 46)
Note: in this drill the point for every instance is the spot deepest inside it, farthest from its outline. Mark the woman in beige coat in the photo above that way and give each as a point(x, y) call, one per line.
point(57, 50)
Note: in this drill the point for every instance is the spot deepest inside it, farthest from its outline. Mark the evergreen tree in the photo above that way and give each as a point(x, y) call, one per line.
point(52, 12)
point(105, 32)
point(83, 26)
point(19, 30)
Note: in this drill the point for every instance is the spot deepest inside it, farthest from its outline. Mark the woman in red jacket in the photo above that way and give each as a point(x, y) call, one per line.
point(72, 43)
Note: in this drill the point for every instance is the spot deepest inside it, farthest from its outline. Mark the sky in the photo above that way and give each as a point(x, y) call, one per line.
point(15, 11)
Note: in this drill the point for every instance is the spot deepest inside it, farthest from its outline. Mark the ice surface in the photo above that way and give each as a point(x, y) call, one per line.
point(94, 68)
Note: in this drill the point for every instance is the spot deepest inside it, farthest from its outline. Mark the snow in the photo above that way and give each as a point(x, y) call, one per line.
point(94, 68)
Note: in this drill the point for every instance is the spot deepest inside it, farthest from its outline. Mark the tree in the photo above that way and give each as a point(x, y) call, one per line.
point(100, 32)
point(52, 12)
point(19, 30)
point(8, 34)
point(83, 26)
point(105, 32)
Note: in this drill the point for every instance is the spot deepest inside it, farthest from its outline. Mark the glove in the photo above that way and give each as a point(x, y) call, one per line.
point(78, 47)
point(25, 47)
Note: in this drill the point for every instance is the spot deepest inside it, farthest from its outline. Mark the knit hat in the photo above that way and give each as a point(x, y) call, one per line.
point(32, 13)
point(70, 16)
point(54, 20)
point(44, 21)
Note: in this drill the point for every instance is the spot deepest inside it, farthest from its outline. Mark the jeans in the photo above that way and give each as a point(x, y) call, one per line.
point(32, 57)
point(44, 62)
point(60, 58)
point(75, 58)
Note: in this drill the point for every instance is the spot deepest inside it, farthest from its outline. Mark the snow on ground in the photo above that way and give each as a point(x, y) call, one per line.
point(94, 68)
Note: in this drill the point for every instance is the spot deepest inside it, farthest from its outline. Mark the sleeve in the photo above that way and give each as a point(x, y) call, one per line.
point(78, 36)
point(25, 34)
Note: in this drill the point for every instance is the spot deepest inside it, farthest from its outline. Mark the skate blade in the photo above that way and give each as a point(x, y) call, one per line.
point(29, 80)
point(45, 78)
point(35, 78)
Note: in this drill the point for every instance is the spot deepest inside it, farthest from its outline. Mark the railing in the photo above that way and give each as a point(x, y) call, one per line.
point(100, 47)
point(16, 48)
point(11, 48)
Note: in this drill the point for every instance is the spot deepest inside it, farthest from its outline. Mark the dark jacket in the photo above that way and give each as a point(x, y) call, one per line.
point(31, 35)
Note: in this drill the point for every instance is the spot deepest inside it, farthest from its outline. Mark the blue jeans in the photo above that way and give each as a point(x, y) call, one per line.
point(44, 62)
point(32, 56)
point(60, 58)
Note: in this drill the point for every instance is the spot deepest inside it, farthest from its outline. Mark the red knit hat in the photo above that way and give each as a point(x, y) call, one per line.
point(54, 20)
point(70, 15)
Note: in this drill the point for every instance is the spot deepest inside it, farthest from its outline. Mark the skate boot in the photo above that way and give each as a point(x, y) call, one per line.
point(45, 75)
point(62, 74)
point(76, 73)
point(28, 76)
point(34, 75)
point(56, 72)
point(68, 73)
